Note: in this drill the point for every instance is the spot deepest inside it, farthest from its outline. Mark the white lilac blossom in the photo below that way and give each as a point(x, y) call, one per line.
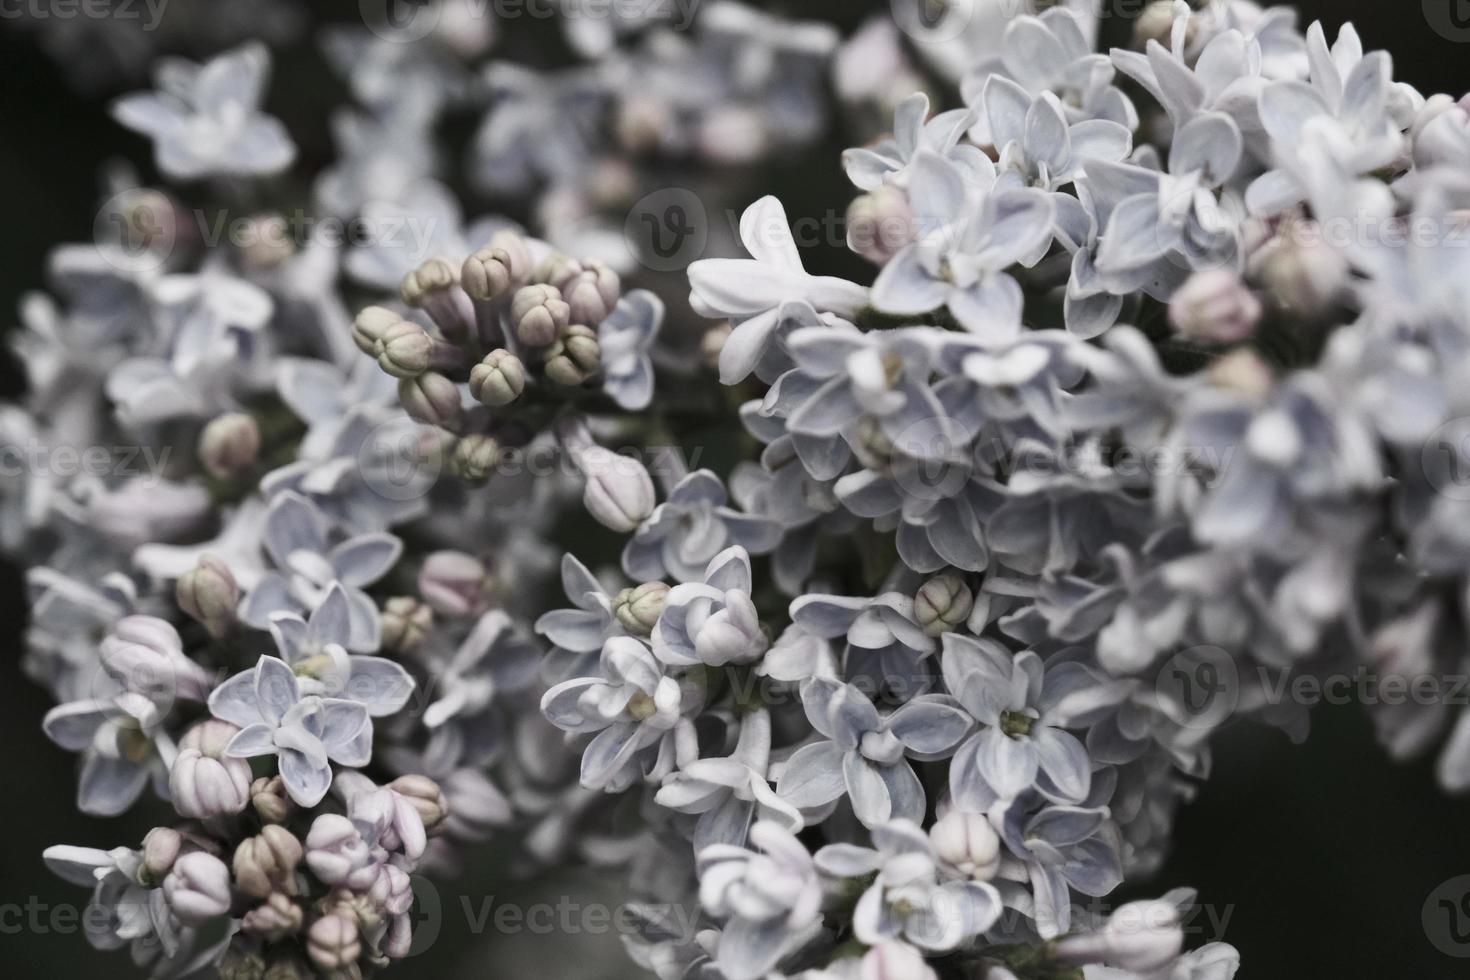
point(1146, 394)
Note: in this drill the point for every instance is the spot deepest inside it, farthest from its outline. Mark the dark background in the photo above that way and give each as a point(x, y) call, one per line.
point(1323, 855)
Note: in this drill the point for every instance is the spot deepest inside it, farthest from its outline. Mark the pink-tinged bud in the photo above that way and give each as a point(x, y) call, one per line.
point(406, 624)
point(943, 603)
point(1301, 272)
point(209, 594)
point(370, 326)
point(967, 843)
point(405, 350)
point(267, 862)
point(433, 276)
point(493, 271)
point(431, 399)
point(198, 888)
point(455, 584)
point(1140, 937)
point(619, 491)
point(590, 288)
point(274, 919)
point(271, 801)
point(539, 314)
point(894, 961)
point(880, 223)
point(204, 782)
point(333, 943)
point(229, 445)
point(574, 357)
point(395, 821)
point(1215, 306)
point(161, 848)
point(498, 380)
point(425, 796)
point(1244, 371)
point(337, 854)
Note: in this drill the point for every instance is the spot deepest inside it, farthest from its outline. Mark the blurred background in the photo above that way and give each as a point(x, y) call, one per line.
point(1316, 861)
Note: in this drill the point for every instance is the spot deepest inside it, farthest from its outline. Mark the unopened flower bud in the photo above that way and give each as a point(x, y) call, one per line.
point(209, 594)
point(943, 603)
point(333, 943)
point(574, 357)
point(499, 379)
point(642, 122)
point(404, 350)
point(499, 267)
point(267, 862)
point(337, 854)
point(146, 656)
point(1243, 370)
point(274, 919)
point(198, 888)
point(539, 314)
point(1156, 23)
point(880, 223)
point(229, 445)
point(454, 583)
point(395, 822)
point(475, 458)
point(894, 961)
point(204, 782)
point(425, 796)
point(967, 843)
point(1139, 937)
point(370, 326)
point(431, 399)
point(161, 848)
point(619, 492)
point(1301, 272)
point(639, 608)
point(406, 624)
point(1215, 306)
point(712, 345)
point(590, 288)
point(271, 801)
point(267, 243)
point(433, 276)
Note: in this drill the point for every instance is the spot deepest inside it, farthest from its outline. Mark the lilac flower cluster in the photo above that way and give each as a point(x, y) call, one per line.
point(1154, 388)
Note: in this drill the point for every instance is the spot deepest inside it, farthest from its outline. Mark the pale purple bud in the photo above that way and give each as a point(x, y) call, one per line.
point(203, 781)
point(229, 445)
point(337, 854)
point(943, 603)
point(590, 288)
point(210, 595)
point(161, 848)
point(619, 491)
point(967, 843)
point(274, 919)
point(894, 961)
point(370, 326)
point(394, 820)
point(425, 796)
point(267, 862)
point(574, 357)
point(1139, 937)
point(503, 265)
point(198, 888)
point(146, 656)
point(455, 584)
point(431, 399)
point(406, 624)
point(539, 314)
point(499, 379)
point(880, 223)
point(1215, 306)
point(639, 608)
point(333, 943)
